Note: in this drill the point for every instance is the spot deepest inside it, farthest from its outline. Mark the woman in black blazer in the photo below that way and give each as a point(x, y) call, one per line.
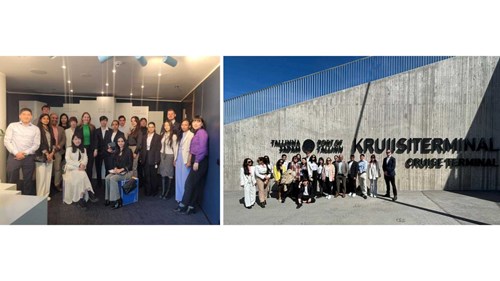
point(111, 136)
point(87, 131)
point(150, 160)
point(122, 170)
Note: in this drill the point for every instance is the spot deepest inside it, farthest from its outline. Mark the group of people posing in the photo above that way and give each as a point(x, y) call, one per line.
point(308, 178)
point(65, 149)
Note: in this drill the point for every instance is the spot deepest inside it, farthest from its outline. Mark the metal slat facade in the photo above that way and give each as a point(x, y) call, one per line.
point(320, 84)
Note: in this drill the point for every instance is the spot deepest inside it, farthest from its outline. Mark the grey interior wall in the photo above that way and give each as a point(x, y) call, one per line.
point(455, 98)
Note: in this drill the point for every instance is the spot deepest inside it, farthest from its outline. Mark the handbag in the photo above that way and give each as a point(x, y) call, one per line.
point(41, 158)
point(129, 186)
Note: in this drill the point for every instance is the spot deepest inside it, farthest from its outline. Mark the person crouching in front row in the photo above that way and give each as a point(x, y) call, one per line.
point(305, 193)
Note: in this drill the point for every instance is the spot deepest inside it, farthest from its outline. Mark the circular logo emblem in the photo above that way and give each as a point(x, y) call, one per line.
point(308, 146)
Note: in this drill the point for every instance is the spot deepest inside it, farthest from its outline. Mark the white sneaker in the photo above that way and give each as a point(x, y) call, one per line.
point(328, 197)
point(354, 195)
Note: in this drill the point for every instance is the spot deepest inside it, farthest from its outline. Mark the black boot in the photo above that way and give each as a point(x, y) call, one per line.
point(168, 193)
point(82, 203)
point(118, 204)
point(92, 197)
point(106, 203)
point(163, 188)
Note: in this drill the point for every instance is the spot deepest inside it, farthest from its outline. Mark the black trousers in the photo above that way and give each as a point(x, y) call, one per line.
point(391, 180)
point(314, 183)
point(321, 185)
point(90, 163)
point(194, 184)
point(305, 198)
point(328, 186)
point(150, 179)
point(28, 165)
point(98, 167)
point(351, 184)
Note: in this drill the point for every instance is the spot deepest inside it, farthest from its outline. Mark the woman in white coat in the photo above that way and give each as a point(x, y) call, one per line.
point(77, 186)
point(373, 174)
point(183, 161)
point(247, 181)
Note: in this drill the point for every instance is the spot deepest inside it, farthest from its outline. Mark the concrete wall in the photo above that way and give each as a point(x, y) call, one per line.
point(455, 98)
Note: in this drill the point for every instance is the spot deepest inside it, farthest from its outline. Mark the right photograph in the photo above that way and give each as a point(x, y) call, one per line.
point(375, 140)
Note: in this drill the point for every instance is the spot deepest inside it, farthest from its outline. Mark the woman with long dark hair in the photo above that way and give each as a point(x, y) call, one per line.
point(64, 121)
point(150, 160)
point(196, 178)
point(134, 140)
point(183, 162)
point(44, 157)
point(374, 173)
point(77, 186)
point(122, 170)
point(247, 182)
point(263, 176)
point(321, 183)
point(169, 150)
point(278, 172)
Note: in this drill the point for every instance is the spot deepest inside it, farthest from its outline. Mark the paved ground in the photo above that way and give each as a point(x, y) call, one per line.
point(412, 208)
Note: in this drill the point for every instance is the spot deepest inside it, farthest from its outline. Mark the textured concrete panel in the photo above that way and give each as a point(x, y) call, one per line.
point(454, 98)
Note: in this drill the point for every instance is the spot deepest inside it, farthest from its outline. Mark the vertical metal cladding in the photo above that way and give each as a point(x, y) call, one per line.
point(312, 86)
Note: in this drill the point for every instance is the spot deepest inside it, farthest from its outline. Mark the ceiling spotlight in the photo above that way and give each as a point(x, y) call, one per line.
point(170, 61)
point(142, 86)
point(107, 84)
point(142, 60)
point(69, 82)
point(159, 74)
point(131, 94)
point(71, 91)
point(103, 58)
point(114, 70)
point(63, 67)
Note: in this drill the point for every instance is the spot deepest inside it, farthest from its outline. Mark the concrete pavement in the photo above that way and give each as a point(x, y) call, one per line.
point(412, 208)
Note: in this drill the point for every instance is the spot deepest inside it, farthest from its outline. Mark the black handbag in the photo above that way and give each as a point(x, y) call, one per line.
point(129, 186)
point(41, 158)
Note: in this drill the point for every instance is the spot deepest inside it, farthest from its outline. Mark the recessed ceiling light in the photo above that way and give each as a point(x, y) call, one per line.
point(71, 91)
point(142, 86)
point(159, 74)
point(69, 81)
point(102, 92)
point(131, 94)
point(114, 70)
point(107, 84)
point(63, 67)
point(38, 71)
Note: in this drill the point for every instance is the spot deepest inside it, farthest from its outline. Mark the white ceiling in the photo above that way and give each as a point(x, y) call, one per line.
point(45, 75)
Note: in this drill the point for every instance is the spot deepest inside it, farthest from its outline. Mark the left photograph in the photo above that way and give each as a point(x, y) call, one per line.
point(110, 140)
